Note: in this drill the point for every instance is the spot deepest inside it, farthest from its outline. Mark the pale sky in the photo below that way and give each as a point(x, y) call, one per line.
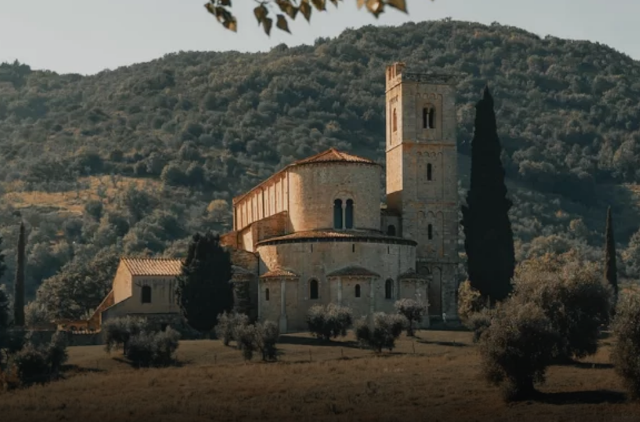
point(87, 36)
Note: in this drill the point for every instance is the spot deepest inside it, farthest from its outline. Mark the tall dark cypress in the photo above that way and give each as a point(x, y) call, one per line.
point(204, 288)
point(610, 266)
point(488, 234)
point(18, 304)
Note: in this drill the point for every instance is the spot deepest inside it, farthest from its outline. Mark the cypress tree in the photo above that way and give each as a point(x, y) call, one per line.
point(610, 266)
point(204, 288)
point(485, 220)
point(18, 301)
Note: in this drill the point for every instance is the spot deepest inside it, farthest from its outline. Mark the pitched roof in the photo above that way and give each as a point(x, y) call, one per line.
point(278, 272)
point(332, 155)
point(344, 235)
point(153, 266)
point(353, 271)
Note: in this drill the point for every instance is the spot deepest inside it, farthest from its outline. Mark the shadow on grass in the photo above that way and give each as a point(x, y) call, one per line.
point(79, 369)
point(174, 363)
point(591, 365)
point(441, 343)
point(581, 397)
point(311, 341)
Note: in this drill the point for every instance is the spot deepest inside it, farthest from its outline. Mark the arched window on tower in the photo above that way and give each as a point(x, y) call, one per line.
point(430, 231)
point(388, 289)
point(313, 289)
point(266, 294)
point(348, 220)
point(428, 117)
point(429, 171)
point(146, 294)
point(337, 214)
point(394, 120)
point(357, 290)
point(391, 230)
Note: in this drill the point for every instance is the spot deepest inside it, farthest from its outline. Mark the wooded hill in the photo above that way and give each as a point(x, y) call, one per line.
point(137, 159)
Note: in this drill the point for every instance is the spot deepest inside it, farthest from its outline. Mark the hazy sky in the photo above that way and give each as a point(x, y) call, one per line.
point(87, 36)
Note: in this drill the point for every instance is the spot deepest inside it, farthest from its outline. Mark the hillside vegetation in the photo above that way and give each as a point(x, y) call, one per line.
point(76, 152)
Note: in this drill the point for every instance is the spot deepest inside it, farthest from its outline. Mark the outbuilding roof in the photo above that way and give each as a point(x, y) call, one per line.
point(278, 272)
point(153, 266)
point(353, 271)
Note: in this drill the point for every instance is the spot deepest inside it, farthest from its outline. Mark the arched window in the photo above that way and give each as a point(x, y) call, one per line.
point(388, 289)
point(430, 231)
point(313, 289)
point(432, 118)
point(357, 290)
point(266, 294)
point(146, 294)
point(429, 171)
point(395, 120)
point(348, 220)
point(391, 230)
point(425, 117)
point(337, 214)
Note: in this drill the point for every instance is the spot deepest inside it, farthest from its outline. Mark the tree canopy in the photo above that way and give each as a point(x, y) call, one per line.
point(267, 10)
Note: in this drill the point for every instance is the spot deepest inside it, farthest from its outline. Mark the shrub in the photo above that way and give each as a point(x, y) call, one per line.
point(228, 324)
point(153, 349)
point(267, 337)
point(625, 353)
point(470, 301)
point(479, 322)
point(385, 331)
point(330, 321)
point(572, 293)
point(517, 348)
point(413, 311)
point(40, 362)
point(259, 337)
point(118, 331)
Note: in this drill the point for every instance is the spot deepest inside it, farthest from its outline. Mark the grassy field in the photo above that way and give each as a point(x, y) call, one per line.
point(432, 378)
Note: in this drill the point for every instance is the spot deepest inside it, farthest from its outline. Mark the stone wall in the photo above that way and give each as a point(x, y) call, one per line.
point(315, 187)
point(317, 259)
point(265, 200)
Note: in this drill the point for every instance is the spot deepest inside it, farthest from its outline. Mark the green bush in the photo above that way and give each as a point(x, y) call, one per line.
point(413, 311)
point(37, 362)
point(330, 321)
point(153, 348)
point(228, 324)
point(626, 350)
point(117, 332)
point(470, 301)
point(384, 333)
point(517, 348)
point(572, 293)
point(260, 337)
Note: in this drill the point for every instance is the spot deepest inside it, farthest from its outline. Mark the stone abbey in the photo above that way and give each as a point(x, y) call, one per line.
point(316, 231)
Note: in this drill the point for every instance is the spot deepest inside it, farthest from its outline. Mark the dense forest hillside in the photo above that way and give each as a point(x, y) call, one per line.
point(133, 161)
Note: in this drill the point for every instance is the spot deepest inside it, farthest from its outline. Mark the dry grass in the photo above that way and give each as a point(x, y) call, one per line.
point(73, 201)
point(435, 378)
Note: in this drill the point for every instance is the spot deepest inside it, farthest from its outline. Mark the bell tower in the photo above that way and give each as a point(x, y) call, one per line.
point(422, 182)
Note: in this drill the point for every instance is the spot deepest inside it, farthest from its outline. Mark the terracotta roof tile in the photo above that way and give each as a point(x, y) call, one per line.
point(332, 155)
point(338, 234)
point(153, 266)
point(353, 270)
point(278, 272)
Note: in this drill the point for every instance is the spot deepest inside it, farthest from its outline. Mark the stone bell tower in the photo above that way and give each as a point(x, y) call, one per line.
point(422, 183)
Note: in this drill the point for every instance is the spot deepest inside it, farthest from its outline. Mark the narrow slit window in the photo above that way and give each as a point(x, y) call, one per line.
point(348, 220)
point(432, 118)
point(266, 294)
point(313, 289)
point(357, 290)
point(388, 289)
point(337, 214)
point(430, 231)
point(425, 117)
point(429, 171)
point(395, 120)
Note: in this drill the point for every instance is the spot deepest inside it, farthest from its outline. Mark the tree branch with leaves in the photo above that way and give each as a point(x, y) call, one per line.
point(284, 11)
